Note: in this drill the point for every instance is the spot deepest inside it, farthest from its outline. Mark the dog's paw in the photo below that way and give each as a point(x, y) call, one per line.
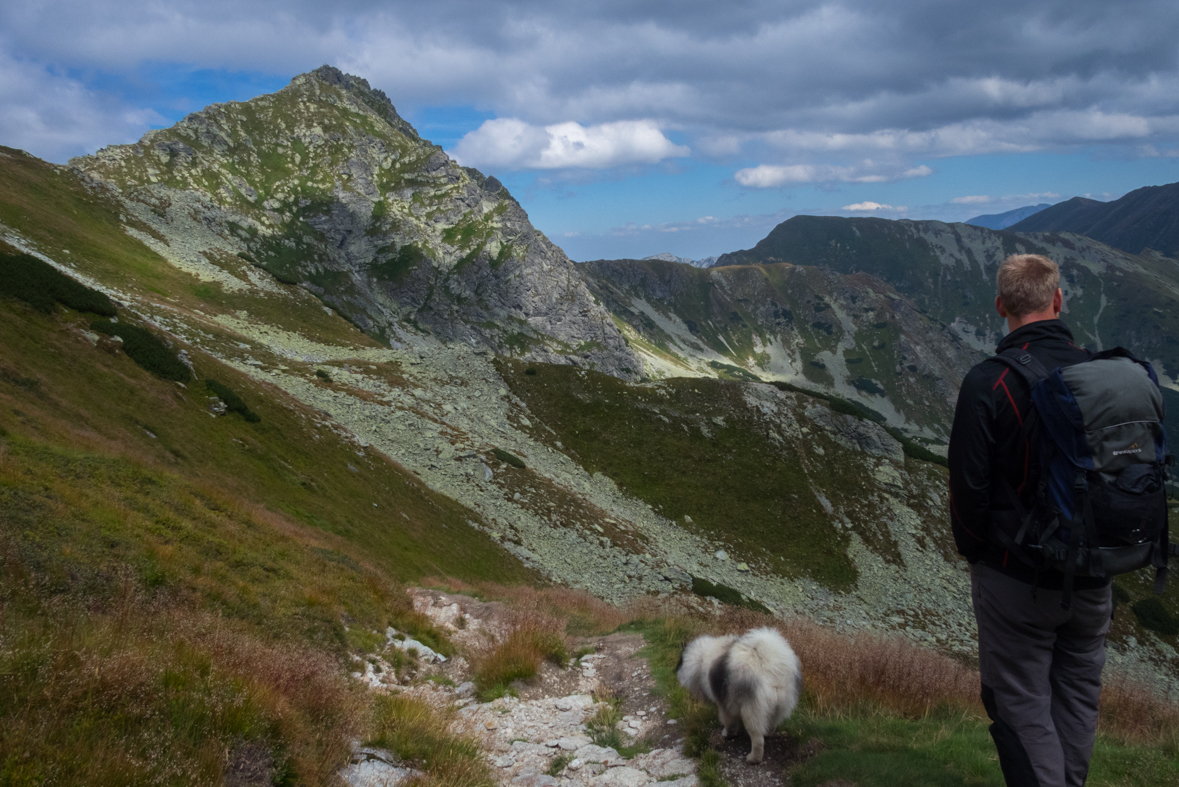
point(730, 732)
point(753, 760)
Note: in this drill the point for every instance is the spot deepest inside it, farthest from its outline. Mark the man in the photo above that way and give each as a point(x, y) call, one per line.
point(1040, 664)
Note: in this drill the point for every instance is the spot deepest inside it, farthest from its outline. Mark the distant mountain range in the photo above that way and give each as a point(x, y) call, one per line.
point(1146, 218)
point(1001, 221)
point(706, 262)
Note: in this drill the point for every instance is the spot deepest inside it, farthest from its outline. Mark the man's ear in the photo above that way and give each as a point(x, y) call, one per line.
point(1057, 301)
point(999, 307)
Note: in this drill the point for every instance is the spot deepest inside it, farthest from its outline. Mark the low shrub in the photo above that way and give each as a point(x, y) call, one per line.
point(41, 285)
point(233, 402)
point(1154, 616)
point(508, 458)
point(726, 595)
point(146, 349)
point(323, 375)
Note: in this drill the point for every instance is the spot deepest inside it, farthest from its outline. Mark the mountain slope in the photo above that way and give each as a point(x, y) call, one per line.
point(324, 186)
point(948, 272)
point(847, 334)
point(1146, 218)
point(1001, 221)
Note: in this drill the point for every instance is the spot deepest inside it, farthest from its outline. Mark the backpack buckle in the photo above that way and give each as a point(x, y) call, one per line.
point(1025, 359)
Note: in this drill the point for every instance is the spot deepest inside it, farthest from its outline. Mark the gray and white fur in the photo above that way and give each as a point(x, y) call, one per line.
point(754, 679)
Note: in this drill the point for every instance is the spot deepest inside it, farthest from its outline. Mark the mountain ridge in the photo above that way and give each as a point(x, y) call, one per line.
point(1146, 218)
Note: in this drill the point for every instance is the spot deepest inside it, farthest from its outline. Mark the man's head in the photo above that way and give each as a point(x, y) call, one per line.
point(1029, 290)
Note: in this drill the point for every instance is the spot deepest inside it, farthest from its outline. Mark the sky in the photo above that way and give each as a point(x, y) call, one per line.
point(632, 127)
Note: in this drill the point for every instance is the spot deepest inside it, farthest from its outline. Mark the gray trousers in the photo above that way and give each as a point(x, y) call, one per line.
point(1041, 676)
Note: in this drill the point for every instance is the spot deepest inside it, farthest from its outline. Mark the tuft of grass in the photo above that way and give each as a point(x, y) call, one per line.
point(533, 640)
point(146, 349)
point(40, 285)
point(420, 735)
point(558, 764)
point(602, 727)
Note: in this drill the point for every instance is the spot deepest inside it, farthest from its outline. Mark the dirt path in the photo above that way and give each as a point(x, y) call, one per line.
point(539, 738)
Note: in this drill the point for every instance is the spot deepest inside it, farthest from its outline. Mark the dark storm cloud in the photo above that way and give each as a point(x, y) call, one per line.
point(802, 83)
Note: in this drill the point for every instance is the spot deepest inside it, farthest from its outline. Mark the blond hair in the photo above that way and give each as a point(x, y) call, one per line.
point(1027, 283)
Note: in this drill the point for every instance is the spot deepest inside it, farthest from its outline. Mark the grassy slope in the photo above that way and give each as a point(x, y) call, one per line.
point(176, 589)
point(734, 483)
point(54, 209)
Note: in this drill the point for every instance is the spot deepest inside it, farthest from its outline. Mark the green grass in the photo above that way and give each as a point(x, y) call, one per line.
point(175, 589)
point(419, 736)
point(734, 482)
point(876, 743)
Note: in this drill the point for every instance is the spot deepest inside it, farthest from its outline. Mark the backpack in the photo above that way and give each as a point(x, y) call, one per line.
point(1100, 505)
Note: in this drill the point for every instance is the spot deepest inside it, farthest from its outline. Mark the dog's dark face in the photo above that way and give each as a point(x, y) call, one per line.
point(680, 663)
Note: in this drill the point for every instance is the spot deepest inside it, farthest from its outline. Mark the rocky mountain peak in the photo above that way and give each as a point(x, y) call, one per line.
point(374, 99)
point(324, 186)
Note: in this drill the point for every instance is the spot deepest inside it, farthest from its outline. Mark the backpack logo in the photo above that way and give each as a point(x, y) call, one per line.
point(1133, 449)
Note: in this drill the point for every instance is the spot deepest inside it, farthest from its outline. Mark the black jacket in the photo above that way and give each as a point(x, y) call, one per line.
point(986, 448)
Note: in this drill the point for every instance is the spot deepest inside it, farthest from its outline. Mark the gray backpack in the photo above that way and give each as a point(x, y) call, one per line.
point(1100, 505)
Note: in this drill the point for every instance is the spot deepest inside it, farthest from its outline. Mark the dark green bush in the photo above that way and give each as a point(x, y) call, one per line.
point(41, 285)
point(146, 349)
point(868, 386)
point(726, 595)
point(233, 402)
point(1153, 615)
point(508, 458)
point(321, 374)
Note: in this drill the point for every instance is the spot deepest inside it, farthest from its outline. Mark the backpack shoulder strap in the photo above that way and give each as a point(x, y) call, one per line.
point(1024, 364)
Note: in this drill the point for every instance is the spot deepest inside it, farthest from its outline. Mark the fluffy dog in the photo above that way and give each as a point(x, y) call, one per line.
point(753, 679)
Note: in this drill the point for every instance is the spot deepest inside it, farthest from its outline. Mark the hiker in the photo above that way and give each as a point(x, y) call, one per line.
point(1040, 664)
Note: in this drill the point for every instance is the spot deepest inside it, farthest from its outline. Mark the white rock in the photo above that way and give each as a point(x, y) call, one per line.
point(573, 742)
point(374, 773)
point(622, 777)
point(595, 753)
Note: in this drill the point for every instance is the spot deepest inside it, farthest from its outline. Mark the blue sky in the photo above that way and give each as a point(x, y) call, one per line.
point(632, 128)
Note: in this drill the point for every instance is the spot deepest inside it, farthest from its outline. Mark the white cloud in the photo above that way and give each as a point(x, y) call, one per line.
point(809, 83)
point(978, 199)
point(55, 117)
point(767, 176)
point(508, 143)
point(872, 207)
